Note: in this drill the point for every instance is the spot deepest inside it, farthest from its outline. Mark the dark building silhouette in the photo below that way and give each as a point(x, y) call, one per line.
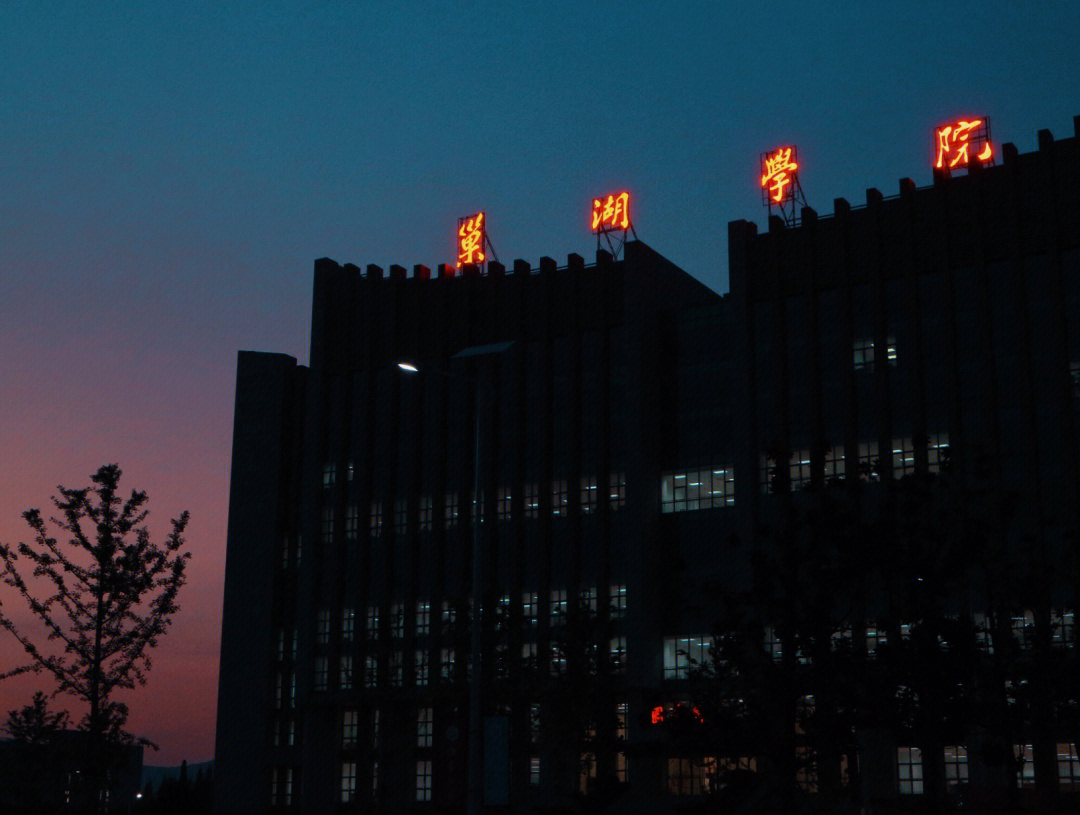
point(637, 438)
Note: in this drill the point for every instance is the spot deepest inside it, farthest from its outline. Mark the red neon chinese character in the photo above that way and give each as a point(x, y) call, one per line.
point(953, 142)
point(778, 170)
point(471, 240)
point(657, 714)
point(613, 212)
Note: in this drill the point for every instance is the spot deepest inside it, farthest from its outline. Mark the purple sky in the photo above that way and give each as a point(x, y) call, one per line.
point(168, 173)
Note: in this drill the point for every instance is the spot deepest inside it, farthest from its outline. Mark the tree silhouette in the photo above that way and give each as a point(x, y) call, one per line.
point(104, 592)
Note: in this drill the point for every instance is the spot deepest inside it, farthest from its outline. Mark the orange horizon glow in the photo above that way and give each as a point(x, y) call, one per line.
point(612, 212)
point(953, 141)
point(471, 240)
point(779, 173)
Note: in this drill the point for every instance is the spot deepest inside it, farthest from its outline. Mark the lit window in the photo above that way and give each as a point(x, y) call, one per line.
point(502, 613)
point(618, 655)
point(799, 469)
point(504, 502)
point(683, 653)
point(588, 600)
point(371, 672)
point(374, 778)
point(348, 624)
point(687, 776)
point(1023, 628)
point(617, 490)
point(875, 637)
point(401, 515)
point(322, 627)
point(348, 781)
point(423, 618)
point(397, 620)
point(528, 651)
point(529, 607)
point(956, 766)
point(1068, 767)
point(891, 351)
point(376, 518)
point(352, 522)
point(1026, 762)
point(426, 513)
point(345, 675)
point(350, 471)
point(534, 771)
point(328, 473)
point(909, 770)
point(558, 606)
point(587, 768)
point(449, 613)
point(806, 769)
point(423, 781)
point(425, 727)
point(397, 669)
point(421, 668)
point(869, 464)
point(371, 624)
point(864, 355)
point(558, 660)
point(350, 728)
point(328, 525)
point(532, 500)
point(620, 767)
point(292, 689)
point(450, 510)
point(618, 601)
point(322, 673)
point(559, 497)
point(773, 644)
point(446, 663)
point(937, 453)
point(281, 786)
point(697, 489)
point(903, 457)
point(588, 493)
point(1063, 623)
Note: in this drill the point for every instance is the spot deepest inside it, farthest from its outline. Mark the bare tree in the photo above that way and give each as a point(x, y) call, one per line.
point(104, 593)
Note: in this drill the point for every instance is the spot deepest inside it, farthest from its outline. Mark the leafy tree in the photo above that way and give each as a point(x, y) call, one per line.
point(34, 724)
point(103, 591)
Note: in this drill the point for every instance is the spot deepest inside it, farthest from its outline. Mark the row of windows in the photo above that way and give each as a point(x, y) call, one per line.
point(687, 776)
point(449, 509)
point(530, 611)
point(909, 765)
point(682, 654)
point(868, 465)
point(425, 729)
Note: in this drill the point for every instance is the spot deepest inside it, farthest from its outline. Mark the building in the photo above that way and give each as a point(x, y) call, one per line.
point(639, 438)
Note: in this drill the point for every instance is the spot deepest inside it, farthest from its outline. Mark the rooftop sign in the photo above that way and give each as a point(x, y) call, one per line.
point(778, 174)
point(612, 212)
point(957, 143)
point(471, 237)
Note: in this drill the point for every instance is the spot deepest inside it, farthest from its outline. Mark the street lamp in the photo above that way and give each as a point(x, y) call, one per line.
point(476, 754)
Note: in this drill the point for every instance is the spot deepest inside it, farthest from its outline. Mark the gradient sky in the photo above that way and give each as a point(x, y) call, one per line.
point(169, 172)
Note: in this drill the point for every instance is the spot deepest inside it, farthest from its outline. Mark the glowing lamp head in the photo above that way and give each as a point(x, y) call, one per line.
point(408, 367)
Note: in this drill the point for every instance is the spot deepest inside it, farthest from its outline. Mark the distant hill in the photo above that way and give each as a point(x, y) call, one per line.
point(154, 776)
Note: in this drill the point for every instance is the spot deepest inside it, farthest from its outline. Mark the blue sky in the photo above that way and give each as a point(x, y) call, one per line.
point(168, 173)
